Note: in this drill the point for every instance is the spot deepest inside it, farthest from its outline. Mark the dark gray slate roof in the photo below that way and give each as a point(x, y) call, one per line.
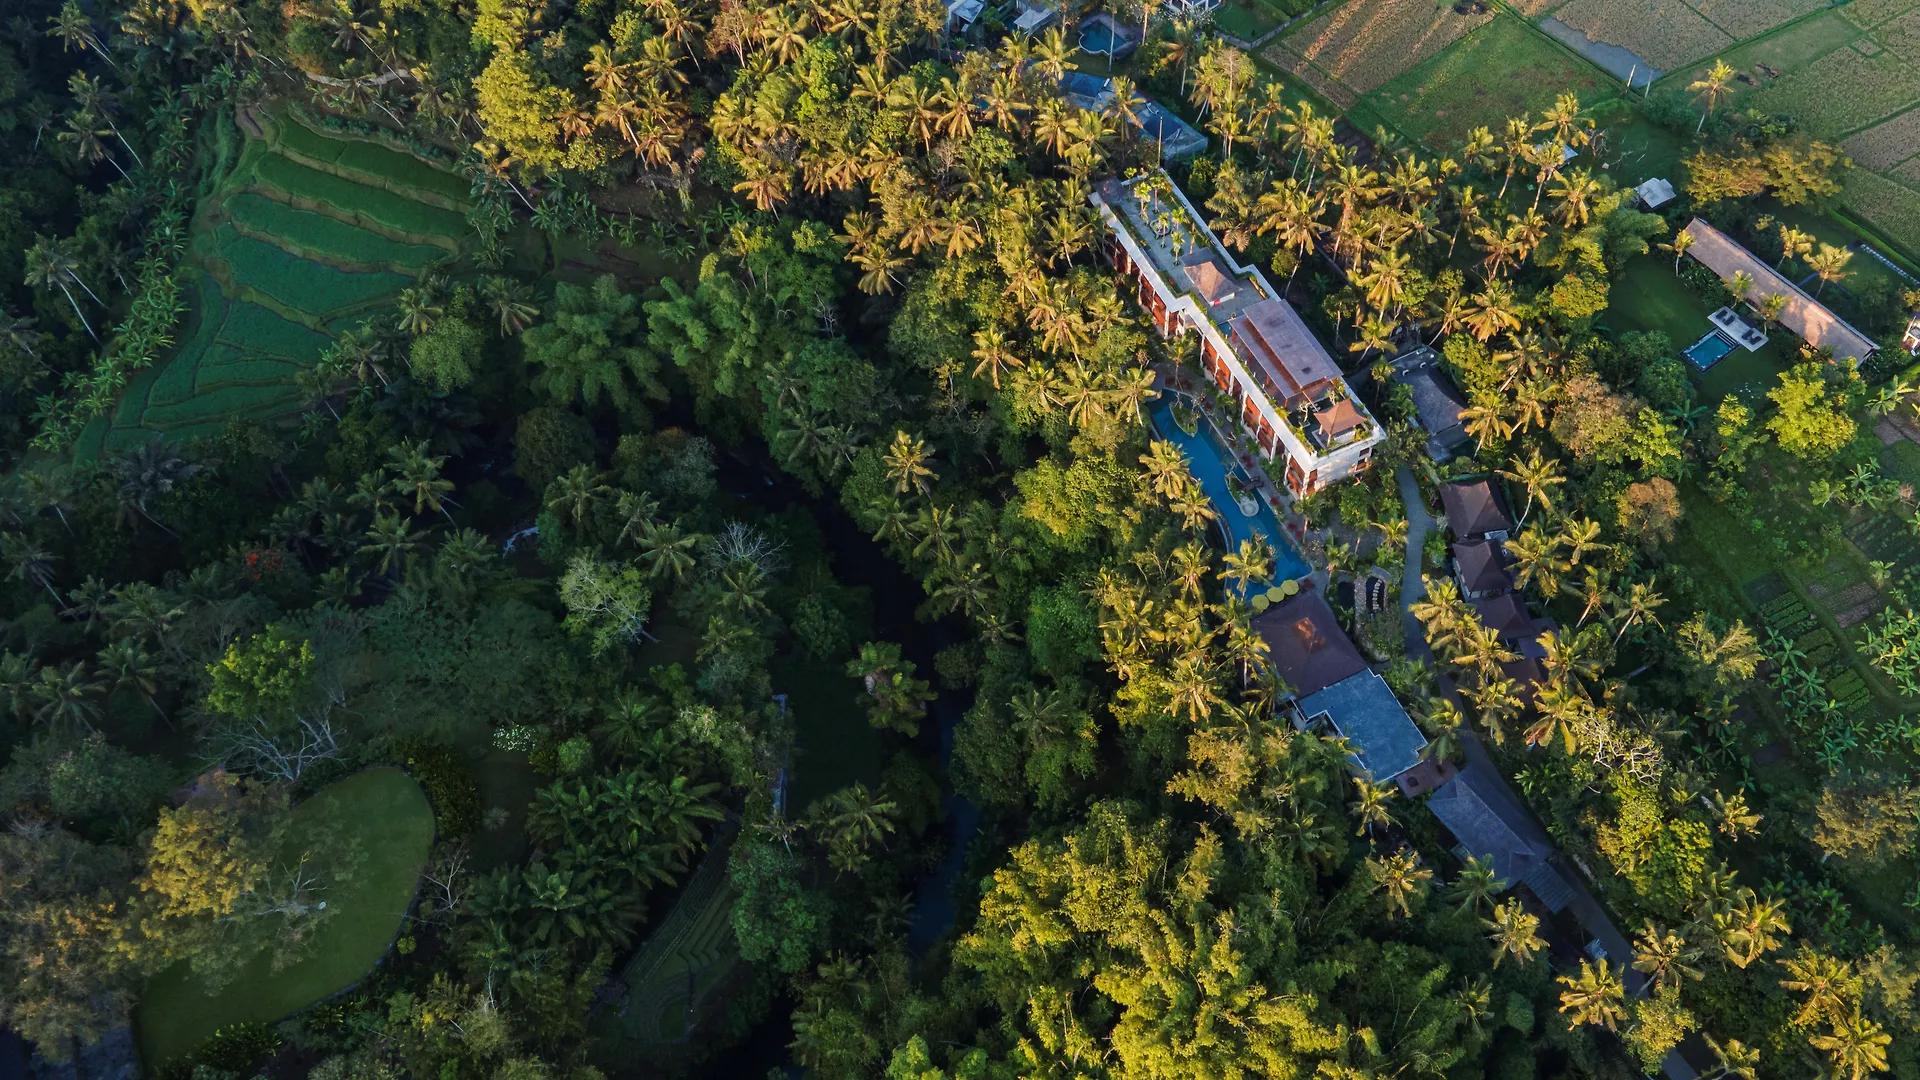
point(1474, 509)
point(1487, 824)
point(1363, 709)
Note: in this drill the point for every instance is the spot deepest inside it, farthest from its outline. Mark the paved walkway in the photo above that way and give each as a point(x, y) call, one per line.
point(1412, 588)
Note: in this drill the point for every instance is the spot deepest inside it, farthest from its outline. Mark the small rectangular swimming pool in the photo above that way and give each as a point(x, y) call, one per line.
point(1709, 350)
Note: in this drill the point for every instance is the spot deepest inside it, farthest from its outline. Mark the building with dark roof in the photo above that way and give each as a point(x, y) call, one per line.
point(1517, 626)
point(1362, 709)
point(1306, 645)
point(1437, 402)
point(1481, 568)
point(1475, 510)
point(1491, 827)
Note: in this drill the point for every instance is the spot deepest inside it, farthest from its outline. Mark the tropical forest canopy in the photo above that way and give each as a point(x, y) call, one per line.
point(774, 345)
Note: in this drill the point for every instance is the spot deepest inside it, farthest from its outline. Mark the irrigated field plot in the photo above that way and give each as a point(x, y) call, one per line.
point(1870, 13)
point(1887, 143)
point(1746, 18)
point(1360, 45)
point(290, 251)
point(1887, 205)
point(1503, 69)
point(1664, 33)
point(1843, 91)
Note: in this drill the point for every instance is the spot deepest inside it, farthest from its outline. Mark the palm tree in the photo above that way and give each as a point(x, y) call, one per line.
point(32, 564)
point(1539, 475)
point(51, 264)
point(1370, 805)
point(1731, 1059)
point(1401, 877)
point(1830, 263)
point(907, 462)
point(1477, 885)
point(1664, 957)
point(1793, 242)
point(1515, 933)
point(1770, 307)
point(1750, 926)
point(1251, 562)
point(1828, 982)
point(132, 668)
point(418, 474)
point(1639, 605)
point(420, 308)
point(509, 301)
point(64, 696)
point(1715, 84)
point(1595, 996)
point(667, 551)
point(1857, 1046)
point(1680, 246)
point(19, 333)
point(391, 542)
point(994, 356)
point(577, 492)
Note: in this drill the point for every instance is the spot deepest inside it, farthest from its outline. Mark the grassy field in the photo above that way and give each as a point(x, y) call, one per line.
point(1502, 69)
point(1647, 296)
point(289, 252)
point(390, 817)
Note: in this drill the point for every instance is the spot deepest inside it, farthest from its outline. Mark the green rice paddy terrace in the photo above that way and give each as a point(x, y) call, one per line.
point(308, 235)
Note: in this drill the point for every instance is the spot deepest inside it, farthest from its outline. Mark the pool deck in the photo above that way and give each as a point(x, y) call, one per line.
point(1210, 460)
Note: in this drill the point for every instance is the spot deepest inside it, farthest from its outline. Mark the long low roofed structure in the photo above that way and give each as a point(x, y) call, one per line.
point(1802, 314)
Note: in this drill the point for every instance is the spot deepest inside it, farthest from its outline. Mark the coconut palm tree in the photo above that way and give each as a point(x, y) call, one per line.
point(908, 463)
point(1857, 1046)
point(1515, 933)
point(1539, 475)
point(1830, 263)
point(1711, 87)
point(1401, 878)
point(1370, 805)
point(510, 303)
point(1477, 885)
point(1595, 996)
point(1682, 243)
point(1664, 956)
point(51, 264)
point(1828, 982)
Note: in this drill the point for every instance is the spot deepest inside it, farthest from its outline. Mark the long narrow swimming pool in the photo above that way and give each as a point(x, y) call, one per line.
point(1210, 460)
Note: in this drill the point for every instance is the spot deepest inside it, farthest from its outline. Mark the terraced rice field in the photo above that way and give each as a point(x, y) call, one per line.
point(307, 236)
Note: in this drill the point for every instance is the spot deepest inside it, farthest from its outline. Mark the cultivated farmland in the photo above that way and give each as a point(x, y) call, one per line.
point(1358, 46)
point(1664, 33)
point(304, 238)
point(1503, 69)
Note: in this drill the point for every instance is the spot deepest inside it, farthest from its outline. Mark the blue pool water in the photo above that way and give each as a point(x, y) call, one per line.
point(1709, 350)
point(1097, 38)
point(1210, 462)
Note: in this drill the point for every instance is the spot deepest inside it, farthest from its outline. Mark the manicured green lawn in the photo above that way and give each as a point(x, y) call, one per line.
point(394, 825)
point(1503, 69)
point(1647, 296)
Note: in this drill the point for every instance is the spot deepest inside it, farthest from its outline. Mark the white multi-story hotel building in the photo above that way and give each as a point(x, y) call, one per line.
point(1289, 392)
